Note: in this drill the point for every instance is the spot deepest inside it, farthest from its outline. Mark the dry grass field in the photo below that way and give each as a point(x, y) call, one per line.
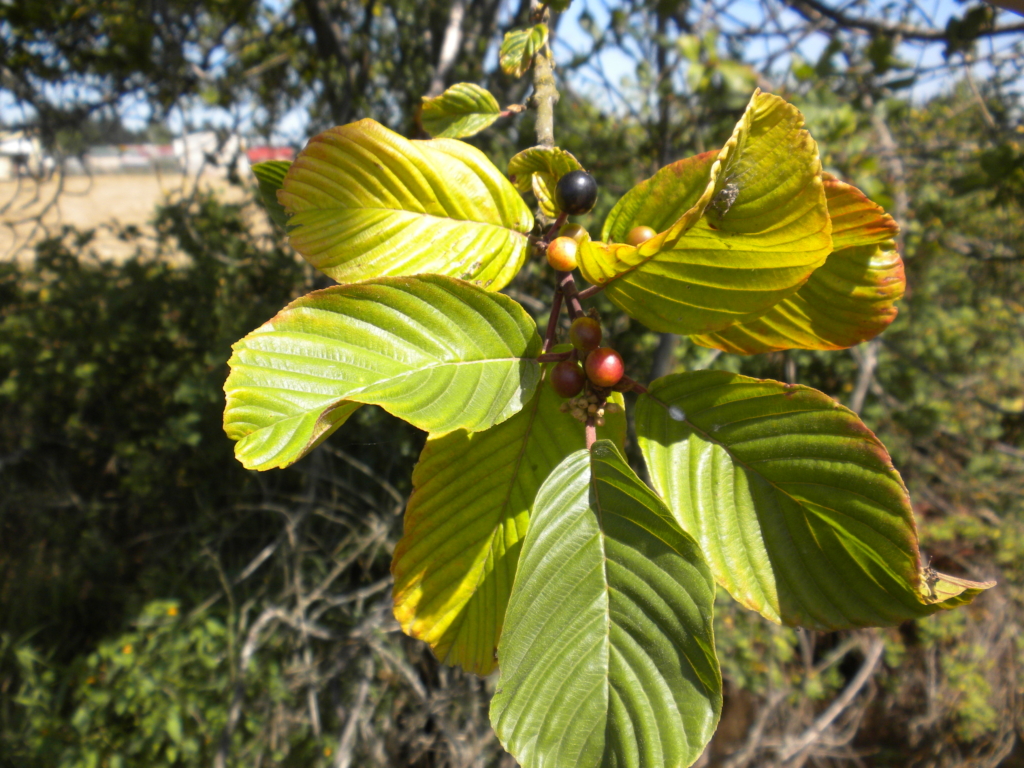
point(102, 202)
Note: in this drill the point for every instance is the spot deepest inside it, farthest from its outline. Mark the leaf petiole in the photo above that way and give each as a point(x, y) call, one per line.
point(556, 310)
point(567, 285)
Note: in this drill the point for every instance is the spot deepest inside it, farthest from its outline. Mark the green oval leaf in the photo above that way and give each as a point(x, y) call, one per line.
point(794, 501)
point(270, 175)
point(519, 47)
point(463, 110)
point(538, 169)
point(758, 226)
point(365, 202)
point(440, 353)
point(467, 515)
point(607, 656)
point(849, 299)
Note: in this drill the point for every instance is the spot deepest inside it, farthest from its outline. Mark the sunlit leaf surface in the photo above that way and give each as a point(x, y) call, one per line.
point(364, 202)
point(438, 352)
point(538, 170)
point(849, 299)
point(794, 502)
point(738, 231)
point(467, 515)
point(463, 110)
point(519, 47)
point(607, 657)
point(270, 176)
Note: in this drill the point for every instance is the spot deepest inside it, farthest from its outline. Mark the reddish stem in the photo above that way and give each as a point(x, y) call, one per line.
point(589, 291)
point(591, 432)
point(636, 386)
point(626, 384)
point(556, 310)
point(562, 218)
point(567, 285)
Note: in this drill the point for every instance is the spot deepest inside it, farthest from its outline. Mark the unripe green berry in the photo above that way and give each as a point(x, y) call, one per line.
point(567, 379)
point(562, 254)
point(575, 231)
point(640, 235)
point(605, 367)
point(585, 334)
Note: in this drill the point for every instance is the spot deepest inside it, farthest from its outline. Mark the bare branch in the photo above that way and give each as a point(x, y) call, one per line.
point(808, 737)
point(545, 93)
point(814, 11)
point(348, 736)
point(450, 46)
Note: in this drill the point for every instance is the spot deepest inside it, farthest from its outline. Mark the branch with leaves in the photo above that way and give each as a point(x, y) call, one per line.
point(529, 542)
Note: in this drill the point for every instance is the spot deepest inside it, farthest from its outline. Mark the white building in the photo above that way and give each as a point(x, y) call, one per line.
point(21, 153)
point(202, 153)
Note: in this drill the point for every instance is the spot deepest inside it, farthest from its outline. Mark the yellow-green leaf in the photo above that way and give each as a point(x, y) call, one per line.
point(795, 503)
point(849, 299)
point(463, 110)
point(364, 202)
point(519, 47)
point(538, 169)
point(744, 235)
point(270, 176)
point(467, 515)
point(440, 353)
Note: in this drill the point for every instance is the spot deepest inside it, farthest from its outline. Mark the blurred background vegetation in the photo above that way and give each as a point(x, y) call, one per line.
point(160, 606)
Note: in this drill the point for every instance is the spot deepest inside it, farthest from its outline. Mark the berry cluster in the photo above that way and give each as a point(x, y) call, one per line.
point(589, 405)
point(602, 369)
point(592, 372)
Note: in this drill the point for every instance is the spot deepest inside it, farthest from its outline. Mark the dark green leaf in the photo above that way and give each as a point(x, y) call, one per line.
point(607, 657)
point(794, 501)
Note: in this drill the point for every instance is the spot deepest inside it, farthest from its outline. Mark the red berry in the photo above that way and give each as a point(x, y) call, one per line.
point(567, 379)
point(640, 235)
point(562, 254)
point(585, 334)
point(604, 367)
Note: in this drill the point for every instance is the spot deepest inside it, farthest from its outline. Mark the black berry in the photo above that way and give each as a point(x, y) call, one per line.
point(576, 193)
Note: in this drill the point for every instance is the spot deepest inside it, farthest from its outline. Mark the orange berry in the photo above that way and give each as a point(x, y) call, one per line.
point(575, 231)
point(640, 235)
point(562, 254)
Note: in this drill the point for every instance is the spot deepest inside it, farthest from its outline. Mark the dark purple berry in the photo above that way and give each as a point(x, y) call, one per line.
point(576, 193)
